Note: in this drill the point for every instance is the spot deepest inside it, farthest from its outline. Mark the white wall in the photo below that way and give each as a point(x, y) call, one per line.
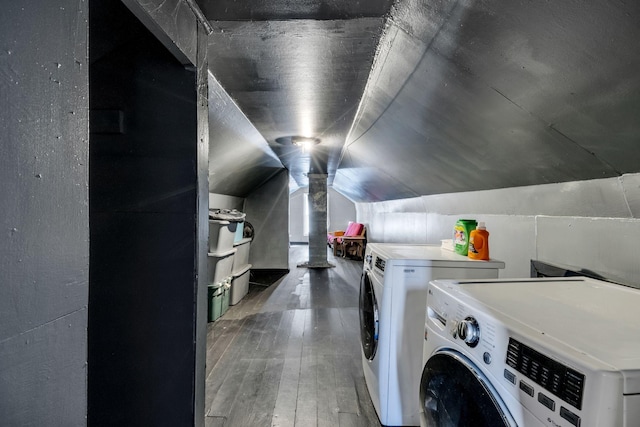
point(593, 225)
point(296, 216)
point(340, 211)
point(221, 201)
point(267, 209)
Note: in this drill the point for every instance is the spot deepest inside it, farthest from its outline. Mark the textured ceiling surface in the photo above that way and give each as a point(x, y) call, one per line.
point(278, 10)
point(297, 77)
point(436, 96)
point(239, 158)
point(472, 95)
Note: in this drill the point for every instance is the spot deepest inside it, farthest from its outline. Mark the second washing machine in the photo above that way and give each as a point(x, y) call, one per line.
point(560, 352)
point(393, 292)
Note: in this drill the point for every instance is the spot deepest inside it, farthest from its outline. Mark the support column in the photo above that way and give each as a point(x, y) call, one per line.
point(317, 222)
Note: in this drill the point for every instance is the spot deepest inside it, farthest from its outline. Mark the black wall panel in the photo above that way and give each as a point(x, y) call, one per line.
point(143, 193)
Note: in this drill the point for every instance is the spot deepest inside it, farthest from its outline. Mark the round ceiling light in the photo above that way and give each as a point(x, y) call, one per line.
point(300, 141)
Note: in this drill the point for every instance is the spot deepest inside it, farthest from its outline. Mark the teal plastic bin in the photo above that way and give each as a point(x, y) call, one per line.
point(215, 297)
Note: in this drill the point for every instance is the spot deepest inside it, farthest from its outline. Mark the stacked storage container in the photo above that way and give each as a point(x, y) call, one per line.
point(221, 235)
point(220, 265)
point(241, 269)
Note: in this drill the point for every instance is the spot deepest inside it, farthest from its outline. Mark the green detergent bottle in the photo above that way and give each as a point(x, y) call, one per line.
point(461, 232)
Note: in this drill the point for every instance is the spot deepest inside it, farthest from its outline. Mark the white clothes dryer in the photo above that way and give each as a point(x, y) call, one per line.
point(561, 352)
point(393, 293)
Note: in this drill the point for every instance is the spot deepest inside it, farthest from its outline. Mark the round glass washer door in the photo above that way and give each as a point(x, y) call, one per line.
point(368, 317)
point(453, 393)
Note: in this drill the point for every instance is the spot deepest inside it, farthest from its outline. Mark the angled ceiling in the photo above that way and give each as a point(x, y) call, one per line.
point(295, 69)
point(436, 96)
point(239, 158)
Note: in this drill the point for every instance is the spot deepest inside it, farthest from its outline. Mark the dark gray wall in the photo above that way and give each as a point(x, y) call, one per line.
point(267, 209)
point(44, 248)
point(148, 174)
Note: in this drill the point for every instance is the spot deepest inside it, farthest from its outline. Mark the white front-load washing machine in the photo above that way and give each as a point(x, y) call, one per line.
point(561, 352)
point(393, 293)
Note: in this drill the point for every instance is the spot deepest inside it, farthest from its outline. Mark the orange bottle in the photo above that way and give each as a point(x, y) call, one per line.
point(479, 242)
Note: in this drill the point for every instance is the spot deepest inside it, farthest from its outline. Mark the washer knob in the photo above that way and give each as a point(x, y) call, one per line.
point(469, 331)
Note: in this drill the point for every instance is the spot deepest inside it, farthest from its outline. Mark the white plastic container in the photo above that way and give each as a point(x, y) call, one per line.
point(220, 266)
point(239, 284)
point(221, 235)
point(241, 258)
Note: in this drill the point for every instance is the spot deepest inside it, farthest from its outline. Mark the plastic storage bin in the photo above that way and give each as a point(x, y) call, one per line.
point(241, 258)
point(221, 235)
point(215, 296)
point(220, 266)
point(239, 284)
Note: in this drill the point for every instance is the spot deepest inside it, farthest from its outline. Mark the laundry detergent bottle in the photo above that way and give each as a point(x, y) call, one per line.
point(461, 232)
point(479, 242)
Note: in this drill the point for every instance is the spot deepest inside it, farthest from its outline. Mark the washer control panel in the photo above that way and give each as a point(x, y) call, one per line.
point(564, 382)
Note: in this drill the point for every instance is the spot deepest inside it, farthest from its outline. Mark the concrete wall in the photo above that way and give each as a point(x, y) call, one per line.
point(267, 209)
point(44, 248)
point(593, 225)
point(340, 211)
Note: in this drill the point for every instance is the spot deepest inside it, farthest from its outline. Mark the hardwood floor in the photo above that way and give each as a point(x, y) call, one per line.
point(289, 354)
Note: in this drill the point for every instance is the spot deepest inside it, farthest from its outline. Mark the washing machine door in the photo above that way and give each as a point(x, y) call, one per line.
point(368, 317)
point(454, 393)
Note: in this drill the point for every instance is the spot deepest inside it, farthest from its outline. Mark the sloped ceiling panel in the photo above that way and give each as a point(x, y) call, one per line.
point(297, 77)
point(239, 157)
point(264, 10)
point(472, 95)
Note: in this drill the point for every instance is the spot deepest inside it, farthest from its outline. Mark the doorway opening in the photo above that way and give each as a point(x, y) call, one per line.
point(142, 213)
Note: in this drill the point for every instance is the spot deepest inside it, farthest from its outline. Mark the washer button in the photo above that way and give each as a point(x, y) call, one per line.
point(486, 357)
point(570, 416)
point(510, 376)
point(547, 401)
point(526, 388)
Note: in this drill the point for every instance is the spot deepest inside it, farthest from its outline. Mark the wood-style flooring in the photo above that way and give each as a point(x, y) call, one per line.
point(289, 354)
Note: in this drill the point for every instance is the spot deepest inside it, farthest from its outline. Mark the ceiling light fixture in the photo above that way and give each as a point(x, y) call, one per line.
point(305, 143)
